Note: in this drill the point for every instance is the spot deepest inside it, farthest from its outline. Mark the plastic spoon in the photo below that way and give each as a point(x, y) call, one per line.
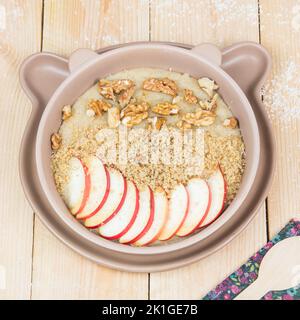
point(279, 270)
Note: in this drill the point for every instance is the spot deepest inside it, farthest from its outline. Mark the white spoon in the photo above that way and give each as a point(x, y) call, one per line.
point(279, 270)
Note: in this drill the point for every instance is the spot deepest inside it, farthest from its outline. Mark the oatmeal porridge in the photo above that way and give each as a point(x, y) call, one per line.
point(148, 155)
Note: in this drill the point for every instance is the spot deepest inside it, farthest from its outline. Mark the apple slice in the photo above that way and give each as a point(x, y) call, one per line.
point(178, 209)
point(160, 216)
point(118, 225)
point(217, 185)
point(114, 202)
point(78, 187)
point(144, 217)
point(200, 198)
point(98, 190)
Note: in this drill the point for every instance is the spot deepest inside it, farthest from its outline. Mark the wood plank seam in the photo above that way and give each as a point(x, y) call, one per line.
point(34, 214)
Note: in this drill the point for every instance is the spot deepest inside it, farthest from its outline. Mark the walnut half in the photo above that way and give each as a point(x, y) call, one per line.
point(164, 85)
point(200, 118)
point(165, 109)
point(134, 114)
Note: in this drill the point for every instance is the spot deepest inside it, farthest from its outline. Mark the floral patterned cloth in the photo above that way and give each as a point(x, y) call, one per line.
point(247, 273)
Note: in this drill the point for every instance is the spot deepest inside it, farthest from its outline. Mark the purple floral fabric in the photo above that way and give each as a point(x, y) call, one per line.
point(247, 273)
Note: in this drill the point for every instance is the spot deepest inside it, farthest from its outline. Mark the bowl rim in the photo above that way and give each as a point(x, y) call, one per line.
point(170, 247)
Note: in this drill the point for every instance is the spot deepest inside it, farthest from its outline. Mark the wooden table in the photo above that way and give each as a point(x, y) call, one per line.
point(33, 263)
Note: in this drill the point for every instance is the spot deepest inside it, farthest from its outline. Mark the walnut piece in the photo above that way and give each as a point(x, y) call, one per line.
point(113, 117)
point(123, 88)
point(121, 85)
point(134, 114)
point(208, 86)
point(164, 85)
point(210, 105)
point(231, 123)
point(183, 125)
point(98, 106)
point(200, 118)
point(189, 96)
point(66, 112)
point(106, 90)
point(165, 109)
point(56, 140)
point(125, 97)
point(156, 122)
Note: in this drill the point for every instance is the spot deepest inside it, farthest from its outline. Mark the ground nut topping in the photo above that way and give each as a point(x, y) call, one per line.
point(189, 96)
point(165, 109)
point(164, 85)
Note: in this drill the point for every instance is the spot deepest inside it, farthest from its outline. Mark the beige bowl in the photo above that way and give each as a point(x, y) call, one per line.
point(87, 67)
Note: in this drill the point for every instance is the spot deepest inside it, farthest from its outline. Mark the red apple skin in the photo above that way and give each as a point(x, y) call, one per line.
point(103, 200)
point(207, 209)
point(137, 205)
point(224, 200)
point(87, 188)
point(150, 221)
point(116, 210)
point(204, 216)
point(185, 215)
point(155, 238)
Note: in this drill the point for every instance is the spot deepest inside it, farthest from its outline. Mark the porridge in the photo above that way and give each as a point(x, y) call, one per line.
point(147, 155)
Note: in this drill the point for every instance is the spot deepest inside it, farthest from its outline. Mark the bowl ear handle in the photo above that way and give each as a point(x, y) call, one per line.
point(40, 75)
point(209, 52)
point(79, 57)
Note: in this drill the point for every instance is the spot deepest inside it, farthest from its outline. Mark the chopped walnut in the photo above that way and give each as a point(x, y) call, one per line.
point(209, 105)
point(56, 140)
point(98, 106)
point(200, 118)
point(134, 114)
point(165, 109)
point(183, 125)
point(156, 122)
point(189, 96)
point(66, 112)
point(125, 97)
point(123, 88)
point(231, 123)
point(164, 85)
point(121, 85)
point(113, 117)
point(208, 86)
point(106, 90)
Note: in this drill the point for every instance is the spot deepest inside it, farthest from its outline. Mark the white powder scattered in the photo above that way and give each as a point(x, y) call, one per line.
point(282, 93)
point(229, 10)
point(2, 18)
point(296, 18)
